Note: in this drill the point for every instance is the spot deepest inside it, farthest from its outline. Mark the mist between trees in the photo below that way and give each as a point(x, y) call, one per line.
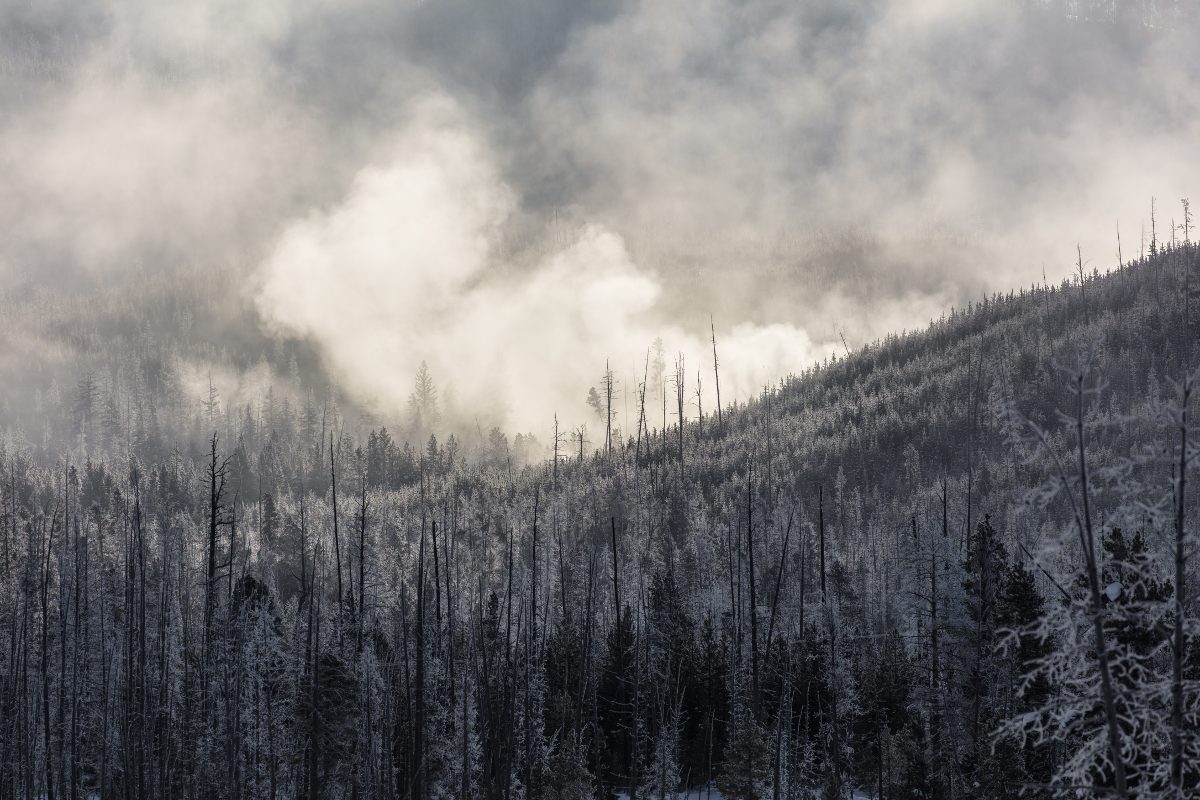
point(951, 564)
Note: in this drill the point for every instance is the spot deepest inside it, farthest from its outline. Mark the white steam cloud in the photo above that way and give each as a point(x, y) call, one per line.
point(405, 270)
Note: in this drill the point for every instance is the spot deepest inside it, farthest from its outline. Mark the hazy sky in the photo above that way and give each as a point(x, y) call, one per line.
point(517, 190)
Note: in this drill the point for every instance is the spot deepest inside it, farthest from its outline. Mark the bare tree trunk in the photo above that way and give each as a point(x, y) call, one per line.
point(642, 426)
point(679, 379)
point(783, 553)
point(554, 467)
point(530, 646)
point(447, 540)
point(142, 687)
point(1102, 656)
point(716, 374)
point(753, 594)
point(616, 582)
point(1120, 259)
point(1082, 281)
point(216, 489)
point(77, 657)
point(437, 580)
point(313, 660)
point(337, 546)
point(608, 413)
point(419, 789)
point(362, 560)
point(63, 607)
point(466, 750)
point(45, 670)
point(974, 389)
point(1180, 589)
point(935, 717)
point(834, 729)
point(821, 535)
point(768, 497)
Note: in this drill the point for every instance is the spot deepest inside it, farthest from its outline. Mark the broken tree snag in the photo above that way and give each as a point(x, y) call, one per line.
point(716, 375)
point(753, 594)
point(337, 547)
point(679, 379)
point(616, 581)
point(821, 535)
point(1178, 637)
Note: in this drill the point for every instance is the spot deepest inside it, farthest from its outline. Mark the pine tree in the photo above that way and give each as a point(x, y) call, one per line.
point(567, 776)
point(984, 570)
point(424, 414)
point(662, 777)
point(746, 771)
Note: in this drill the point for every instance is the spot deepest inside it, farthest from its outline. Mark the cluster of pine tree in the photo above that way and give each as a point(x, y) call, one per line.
point(951, 565)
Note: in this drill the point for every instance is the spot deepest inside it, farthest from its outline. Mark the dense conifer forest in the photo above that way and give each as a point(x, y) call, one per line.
point(952, 564)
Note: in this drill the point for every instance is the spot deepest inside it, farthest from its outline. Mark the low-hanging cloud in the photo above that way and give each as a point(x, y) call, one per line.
point(1016, 128)
point(801, 170)
point(405, 270)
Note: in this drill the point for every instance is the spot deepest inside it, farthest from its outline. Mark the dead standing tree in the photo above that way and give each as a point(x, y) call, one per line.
point(337, 547)
point(642, 427)
point(217, 480)
point(679, 395)
point(608, 409)
point(1051, 721)
point(1178, 640)
point(716, 375)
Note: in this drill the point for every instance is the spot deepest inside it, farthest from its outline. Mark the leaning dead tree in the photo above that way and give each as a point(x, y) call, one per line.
point(716, 374)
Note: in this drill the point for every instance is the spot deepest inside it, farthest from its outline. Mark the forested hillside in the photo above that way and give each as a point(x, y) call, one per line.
point(949, 565)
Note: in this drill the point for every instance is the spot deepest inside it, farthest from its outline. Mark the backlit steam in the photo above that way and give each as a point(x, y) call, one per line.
point(404, 270)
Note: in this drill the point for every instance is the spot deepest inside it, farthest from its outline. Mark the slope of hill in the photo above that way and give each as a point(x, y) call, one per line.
point(869, 578)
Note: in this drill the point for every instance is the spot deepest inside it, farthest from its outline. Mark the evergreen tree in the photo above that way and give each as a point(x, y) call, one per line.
point(746, 770)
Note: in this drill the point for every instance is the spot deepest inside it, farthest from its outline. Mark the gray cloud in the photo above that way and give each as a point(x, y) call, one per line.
point(713, 133)
point(816, 166)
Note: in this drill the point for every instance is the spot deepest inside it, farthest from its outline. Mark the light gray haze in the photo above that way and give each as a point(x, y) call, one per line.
point(515, 191)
